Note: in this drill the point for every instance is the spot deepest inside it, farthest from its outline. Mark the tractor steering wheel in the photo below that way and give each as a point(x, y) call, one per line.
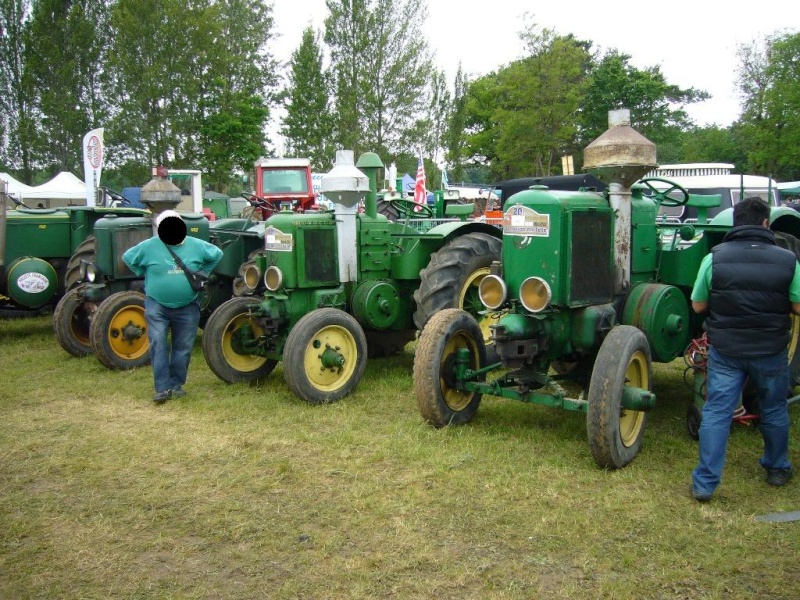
point(259, 202)
point(409, 208)
point(662, 197)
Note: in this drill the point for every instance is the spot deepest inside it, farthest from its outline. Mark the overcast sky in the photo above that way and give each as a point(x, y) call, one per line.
point(694, 42)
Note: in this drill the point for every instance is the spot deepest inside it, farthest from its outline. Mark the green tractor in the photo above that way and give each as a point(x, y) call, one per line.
point(104, 313)
point(40, 250)
point(341, 285)
point(591, 288)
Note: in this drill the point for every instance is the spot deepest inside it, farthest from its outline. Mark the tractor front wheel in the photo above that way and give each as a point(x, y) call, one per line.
point(85, 252)
point(438, 399)
point(223, 335)
point(325, 356)
point(118, 332)
point(72, 318)
point(615, 433)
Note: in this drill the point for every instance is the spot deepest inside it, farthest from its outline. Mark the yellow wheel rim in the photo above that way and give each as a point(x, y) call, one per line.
point(242, 363)
point(455, 399)
point(469, 300)
point(127, 333)
point(795, 335)
point(631, 421)
point(330, 358)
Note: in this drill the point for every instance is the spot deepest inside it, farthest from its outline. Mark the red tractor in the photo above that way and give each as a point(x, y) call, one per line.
point(282, 184)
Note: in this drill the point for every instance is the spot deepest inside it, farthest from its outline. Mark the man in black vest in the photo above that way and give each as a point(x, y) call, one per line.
point(749, 287)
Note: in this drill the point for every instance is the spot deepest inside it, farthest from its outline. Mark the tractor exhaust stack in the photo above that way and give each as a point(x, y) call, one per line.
point(347, 187)
point(619, 158)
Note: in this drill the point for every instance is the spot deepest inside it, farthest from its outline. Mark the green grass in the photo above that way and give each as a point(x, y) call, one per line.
point(240, 491)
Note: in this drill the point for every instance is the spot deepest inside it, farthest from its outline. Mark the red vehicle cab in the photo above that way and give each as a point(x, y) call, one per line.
point(283, 184)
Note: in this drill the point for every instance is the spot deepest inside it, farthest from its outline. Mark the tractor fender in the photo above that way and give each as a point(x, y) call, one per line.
point(781, 218)
point(454, 229)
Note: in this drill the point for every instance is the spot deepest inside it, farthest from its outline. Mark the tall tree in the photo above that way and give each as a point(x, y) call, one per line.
point(769, 82)
point(16, 92)
point(656, 106)
point(308, 124)
point(712, 144)
point(65, 57)
point(187, 70)
point(381, 64)
point(522, 118)
point(455, 134)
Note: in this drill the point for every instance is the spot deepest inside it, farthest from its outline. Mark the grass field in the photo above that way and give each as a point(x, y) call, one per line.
point(240, 491)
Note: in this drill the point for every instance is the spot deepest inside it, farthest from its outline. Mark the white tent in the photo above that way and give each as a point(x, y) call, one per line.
point(15, 188)
point(64, 186)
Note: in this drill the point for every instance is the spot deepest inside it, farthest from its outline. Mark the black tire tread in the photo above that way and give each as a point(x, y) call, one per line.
point(213, 333)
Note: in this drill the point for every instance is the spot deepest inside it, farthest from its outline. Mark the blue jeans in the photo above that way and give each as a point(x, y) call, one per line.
point(725, 382)
point(171, 365)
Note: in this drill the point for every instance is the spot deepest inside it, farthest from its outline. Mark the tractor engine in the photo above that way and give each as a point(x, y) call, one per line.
point(557, 255)
point(568, 260)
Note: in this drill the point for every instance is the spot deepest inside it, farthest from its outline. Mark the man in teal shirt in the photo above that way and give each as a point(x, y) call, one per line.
point(749, 287)
point(171, 304)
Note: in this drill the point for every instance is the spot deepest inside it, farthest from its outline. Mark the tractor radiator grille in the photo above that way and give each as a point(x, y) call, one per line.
point(591, 270)
point(320, 255)
point(124, 239)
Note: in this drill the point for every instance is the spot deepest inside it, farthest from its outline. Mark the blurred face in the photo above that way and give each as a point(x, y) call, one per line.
point(172, 231)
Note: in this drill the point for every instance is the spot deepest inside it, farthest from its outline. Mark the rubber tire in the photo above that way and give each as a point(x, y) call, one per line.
point(301, 370)
point(382, 344)
point(388, 210)
point(72, 319)
point(439, 403)
point(118, 310)
point(461, 262)
point(86, 250)
point(220, 356)
point(791, 243)
point(693, 419)
point(615, 434)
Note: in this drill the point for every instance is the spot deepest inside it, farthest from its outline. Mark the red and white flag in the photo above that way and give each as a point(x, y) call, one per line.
point(420, 194)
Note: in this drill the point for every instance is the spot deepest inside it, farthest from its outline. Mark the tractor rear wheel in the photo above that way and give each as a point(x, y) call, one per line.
point(615, 433)
point(85, 251)
point(388, 210)
point(325, 356)
point(72, 318)
point(118, 332)
point(229, 324)
point(439, 402)
point(381, 344)
point(452, 277)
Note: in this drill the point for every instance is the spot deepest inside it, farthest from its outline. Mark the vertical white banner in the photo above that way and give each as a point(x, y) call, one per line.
point(92, 163)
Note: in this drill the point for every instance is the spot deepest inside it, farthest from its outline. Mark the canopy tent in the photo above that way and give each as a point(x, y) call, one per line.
point(789, 188)
point(15, 188)
point(64, 186)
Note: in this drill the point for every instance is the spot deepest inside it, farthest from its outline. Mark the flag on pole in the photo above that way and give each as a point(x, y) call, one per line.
point(420, 195)
point(445, 183)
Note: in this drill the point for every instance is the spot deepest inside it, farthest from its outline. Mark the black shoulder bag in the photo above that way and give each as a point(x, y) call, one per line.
point(197, 279)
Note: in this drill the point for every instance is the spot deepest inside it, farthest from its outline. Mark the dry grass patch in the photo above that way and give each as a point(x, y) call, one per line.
point(246, 492)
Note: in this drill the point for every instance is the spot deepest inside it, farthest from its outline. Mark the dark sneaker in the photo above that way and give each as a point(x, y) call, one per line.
point(161, 397)
point(178, 393)
point(779, 477)
point(699, 496)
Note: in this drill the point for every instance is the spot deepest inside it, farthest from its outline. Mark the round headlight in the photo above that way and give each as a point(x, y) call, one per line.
point(535, 294)
point(91, 273)
point(82, 271)
point(492, 291)
point(273, 278)
point(251, 275)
